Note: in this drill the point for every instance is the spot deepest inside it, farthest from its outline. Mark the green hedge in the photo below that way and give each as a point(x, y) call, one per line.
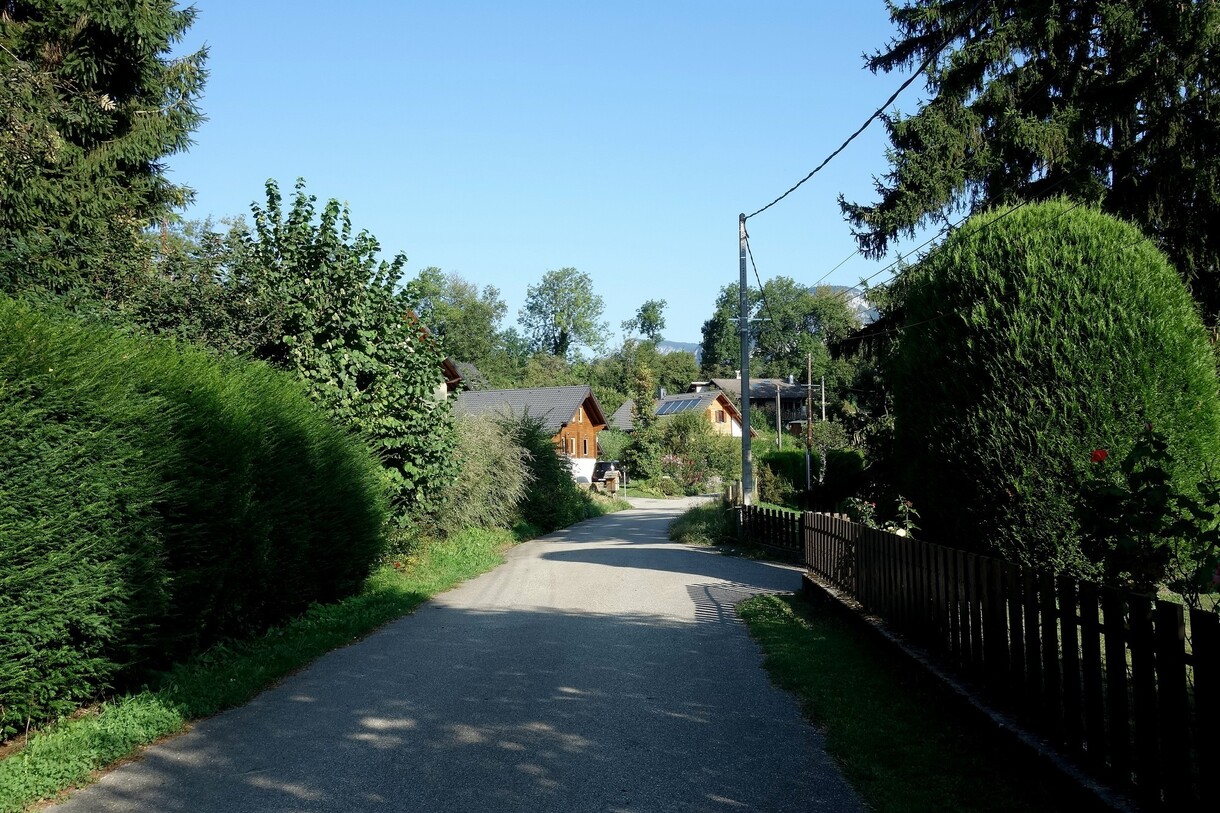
point(844, 476)
point(1034, 336)
point(153, 500)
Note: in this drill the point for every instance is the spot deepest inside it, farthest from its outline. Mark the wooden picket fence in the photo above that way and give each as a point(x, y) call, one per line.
point(772, 528)
point(1127, 685)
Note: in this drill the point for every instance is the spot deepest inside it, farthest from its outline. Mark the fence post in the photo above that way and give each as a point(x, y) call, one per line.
point(1143, 684)
point(1171, 688)
point(995, 641)
point(1033, 641)
point(976, 625)
point(1072, 709)
point(1091, 670)
point(1016, 630)
point(1205, 655)
point(1117, 711)
point(1052, 692)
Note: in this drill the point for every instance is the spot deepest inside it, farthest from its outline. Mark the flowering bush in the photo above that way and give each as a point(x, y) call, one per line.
point(865, 512)
point(1144, 529)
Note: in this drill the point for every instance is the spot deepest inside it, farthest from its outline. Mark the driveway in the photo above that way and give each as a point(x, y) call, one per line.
point(601, 668)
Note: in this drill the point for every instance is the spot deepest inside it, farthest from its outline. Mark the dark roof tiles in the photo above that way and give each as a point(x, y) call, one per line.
point(554, 406)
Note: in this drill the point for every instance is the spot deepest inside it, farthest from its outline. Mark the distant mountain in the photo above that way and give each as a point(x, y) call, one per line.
point(682, 347)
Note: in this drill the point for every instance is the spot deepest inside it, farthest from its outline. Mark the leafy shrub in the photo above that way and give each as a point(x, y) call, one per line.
point(696, 456)
point(668, 486)
point(708, 524)
point(1142, 529)
point(844, 477)
point(154, 500)
point(613, 443)
point(493, 477)
point(790, 465)
point(553, 500)
point(1032, 337)
point(304, 291)
point(774, 487)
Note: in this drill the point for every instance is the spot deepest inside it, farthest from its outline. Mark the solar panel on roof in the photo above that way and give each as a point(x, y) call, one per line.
point(674, 407)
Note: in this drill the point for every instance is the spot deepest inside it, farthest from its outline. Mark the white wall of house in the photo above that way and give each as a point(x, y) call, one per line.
point(582, 468)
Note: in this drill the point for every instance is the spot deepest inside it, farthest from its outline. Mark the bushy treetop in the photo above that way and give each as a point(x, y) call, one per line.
point(1034, 336)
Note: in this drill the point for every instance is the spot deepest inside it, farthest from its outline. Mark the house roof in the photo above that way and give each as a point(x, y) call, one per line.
point(762, 388)
point(554, 406)
point(453, 376)
point(675, 405)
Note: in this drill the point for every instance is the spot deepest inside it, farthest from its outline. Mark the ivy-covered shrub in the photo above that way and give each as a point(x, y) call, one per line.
point(774, 487)
point(304, 291)
point(1032, 337)
point(153, 500)
point(695, 457)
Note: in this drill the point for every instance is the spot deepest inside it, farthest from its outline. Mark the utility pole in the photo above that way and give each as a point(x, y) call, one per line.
point(823, 399)
point(779, 432)
point(743, 324)
point(809, 422)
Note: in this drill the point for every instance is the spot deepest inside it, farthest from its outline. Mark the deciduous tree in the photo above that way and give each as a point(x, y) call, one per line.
point(464, 319)
point(648, 321)
point(562, 311)
point(347, 331)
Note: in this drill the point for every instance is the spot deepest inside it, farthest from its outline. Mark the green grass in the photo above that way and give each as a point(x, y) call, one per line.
point(708, 524)
point(713, 524)
point(904, 748)
point(65, 754)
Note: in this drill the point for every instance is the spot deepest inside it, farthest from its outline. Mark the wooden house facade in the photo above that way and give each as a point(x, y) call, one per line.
point(571, 415)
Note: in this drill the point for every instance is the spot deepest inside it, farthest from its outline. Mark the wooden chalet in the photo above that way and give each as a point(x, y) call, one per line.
point(714, 405)
point(571, 415)
point(766, 394)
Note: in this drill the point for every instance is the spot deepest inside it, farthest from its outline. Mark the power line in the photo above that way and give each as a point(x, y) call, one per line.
point(878, 112)
point(761, 292)
point(850, 138)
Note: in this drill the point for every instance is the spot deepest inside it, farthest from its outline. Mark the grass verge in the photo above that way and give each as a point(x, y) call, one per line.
point(901, 746)
point(707, 524)
point(66, 754)
point(713, 524)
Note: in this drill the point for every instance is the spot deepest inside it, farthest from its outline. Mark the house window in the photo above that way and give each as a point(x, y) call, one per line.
point(720, 416)
point(572, 446)
point(585, 443)
point(580, 416)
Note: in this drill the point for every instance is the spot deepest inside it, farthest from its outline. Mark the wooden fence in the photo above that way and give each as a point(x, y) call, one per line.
point(772, 528)
point(1127, 685)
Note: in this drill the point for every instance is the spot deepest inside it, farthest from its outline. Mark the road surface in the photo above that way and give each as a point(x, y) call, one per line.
point(601, 668)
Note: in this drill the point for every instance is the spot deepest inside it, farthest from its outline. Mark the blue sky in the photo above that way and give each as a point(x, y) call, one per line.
point(500, 140)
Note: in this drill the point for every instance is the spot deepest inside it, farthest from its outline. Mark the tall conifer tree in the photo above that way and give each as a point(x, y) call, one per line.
point(1109, 102)
point(91, 103)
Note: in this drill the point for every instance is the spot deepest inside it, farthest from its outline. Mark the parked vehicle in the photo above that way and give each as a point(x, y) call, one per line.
point(602, 466)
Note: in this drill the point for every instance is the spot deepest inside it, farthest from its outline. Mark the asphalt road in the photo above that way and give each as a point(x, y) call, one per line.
point(601, 669)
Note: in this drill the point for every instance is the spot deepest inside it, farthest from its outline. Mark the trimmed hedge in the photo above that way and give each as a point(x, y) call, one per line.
point(844, 476)
point(1032, 337)
point(154, 500)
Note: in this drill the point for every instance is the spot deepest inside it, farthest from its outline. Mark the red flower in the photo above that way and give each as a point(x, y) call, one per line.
point(1099, 455)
